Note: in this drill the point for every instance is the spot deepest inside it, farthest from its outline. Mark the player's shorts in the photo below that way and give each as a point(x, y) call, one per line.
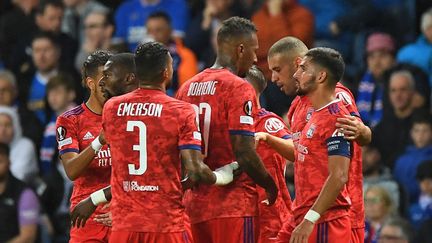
point(357, 235)
point(227, 230)
point(90, 233)
point(337, 230)
point(150, 237)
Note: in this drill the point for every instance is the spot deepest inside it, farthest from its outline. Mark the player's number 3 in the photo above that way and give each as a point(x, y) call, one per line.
point(141, 147)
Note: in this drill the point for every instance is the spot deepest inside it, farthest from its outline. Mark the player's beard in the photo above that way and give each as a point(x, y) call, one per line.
point(307, 87)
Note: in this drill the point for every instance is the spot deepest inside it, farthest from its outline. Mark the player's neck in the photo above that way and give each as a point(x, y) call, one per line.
point(320, 98)
point(160, 87)
point(94, 105)
point(223, 61)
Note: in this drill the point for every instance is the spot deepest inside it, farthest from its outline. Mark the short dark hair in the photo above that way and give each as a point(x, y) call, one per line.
point(160, 14)
point(60, 80)
point(150, 59)
point(329, 59)
point(256, 77)
point(235, 27)
point(4, 149)
point(49, 36)
point(45, 3)
point(92, 63)
point(125, 60)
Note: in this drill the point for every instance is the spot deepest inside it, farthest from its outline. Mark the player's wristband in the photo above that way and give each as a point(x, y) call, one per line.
point(96, 145)
point(98, 197)
point(312, 216)
point(221, 178)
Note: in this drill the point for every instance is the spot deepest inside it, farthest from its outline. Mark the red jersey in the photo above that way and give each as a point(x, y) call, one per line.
point(76, 129)
point(300, 113)
point(146, 129)
point(319, 140)
point(226, 105)
point(271, 218)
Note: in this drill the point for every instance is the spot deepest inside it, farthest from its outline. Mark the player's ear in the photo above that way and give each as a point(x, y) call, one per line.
point(90, 83)
point(130, 78)
point(322, 76)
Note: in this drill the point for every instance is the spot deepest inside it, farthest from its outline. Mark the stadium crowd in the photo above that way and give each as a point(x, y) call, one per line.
point(386, 45)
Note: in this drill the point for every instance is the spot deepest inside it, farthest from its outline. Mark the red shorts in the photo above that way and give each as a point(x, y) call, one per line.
point(337, 230)
point(150, 237)
point(357, 235)
point(90, 233)
point(222, 230)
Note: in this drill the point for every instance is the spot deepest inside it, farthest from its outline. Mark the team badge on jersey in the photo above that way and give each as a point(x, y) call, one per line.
point(309, 114)
point(248, 108)
point(273, 125)
point(310, 131)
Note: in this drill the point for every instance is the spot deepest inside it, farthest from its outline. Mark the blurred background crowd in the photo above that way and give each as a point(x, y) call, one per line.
point(387, 45)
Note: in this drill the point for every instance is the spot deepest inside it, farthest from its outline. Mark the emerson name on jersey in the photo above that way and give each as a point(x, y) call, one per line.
point(139, 109)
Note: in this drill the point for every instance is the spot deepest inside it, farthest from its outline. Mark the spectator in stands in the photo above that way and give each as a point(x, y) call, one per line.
point(286, 18)
point(99, 29)
point(421, 210)
point(380, 51)
point(201, 34)
point(420, 52)
point(424, 234)
point(391, 135)
point(185, 64)
point(406, 165)
point(15, 25)
point(19, 206)
point(60, 95)
point(376, 174)
point(378, 208)
point(46, 57)
point(131, 15)
point(75, 14)
point(8, 97)
point(396, 230)
point(24, 165)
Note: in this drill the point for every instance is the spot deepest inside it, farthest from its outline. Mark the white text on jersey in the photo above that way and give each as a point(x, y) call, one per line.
point(203, 88)
point(139, 109)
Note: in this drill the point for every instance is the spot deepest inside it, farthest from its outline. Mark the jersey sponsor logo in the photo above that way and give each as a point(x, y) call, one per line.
point(302, 152)
point(246, 120)
point(273, 125)
point(133, 186)
point(309, 114)
point(61, 133)
point(202, 88)
point(310, 131)
point(247, 107)
point(88, 136)
point(344, 97)
point(104, 157)
point(65, 142)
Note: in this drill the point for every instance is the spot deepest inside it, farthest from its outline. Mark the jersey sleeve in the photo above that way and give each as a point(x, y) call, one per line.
point(242, 108)
point(66, 135)
point(349, 102)
point(189, 137)
point(335, 142)
point(276, 127)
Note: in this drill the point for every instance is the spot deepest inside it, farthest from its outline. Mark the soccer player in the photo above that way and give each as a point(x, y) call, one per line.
point(226, 105)
point(283, 58)
point(85, 160)
point(272, 217)
point(148, 133)
point(322, 157)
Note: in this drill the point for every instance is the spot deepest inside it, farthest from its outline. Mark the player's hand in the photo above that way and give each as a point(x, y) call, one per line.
point(260, 136)
point(225, 173)
point(102, 137)
point(82, 212)
point(187, 183)
point(105, 218)
point(350, 126)
point(302, 232)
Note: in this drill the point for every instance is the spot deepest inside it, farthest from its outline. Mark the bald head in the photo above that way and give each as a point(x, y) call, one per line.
point(256, 77)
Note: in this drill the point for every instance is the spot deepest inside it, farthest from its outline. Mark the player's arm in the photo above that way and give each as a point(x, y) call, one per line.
point(284, 147)
point(354, 129)
point(197, 171)
point(86, 207)
point(244, 150)
point(75, 163)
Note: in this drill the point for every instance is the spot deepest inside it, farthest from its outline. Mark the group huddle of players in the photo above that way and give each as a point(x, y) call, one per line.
point(208, 165)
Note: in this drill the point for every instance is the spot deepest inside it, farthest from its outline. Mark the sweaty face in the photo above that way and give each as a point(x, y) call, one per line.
point(248, 56)
point(283, 70)
point(6, 129)
point(112, 82)
point(45, 54)
point(400, 92)
point(51, 19)
point(159, 29)
point(305, 77)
